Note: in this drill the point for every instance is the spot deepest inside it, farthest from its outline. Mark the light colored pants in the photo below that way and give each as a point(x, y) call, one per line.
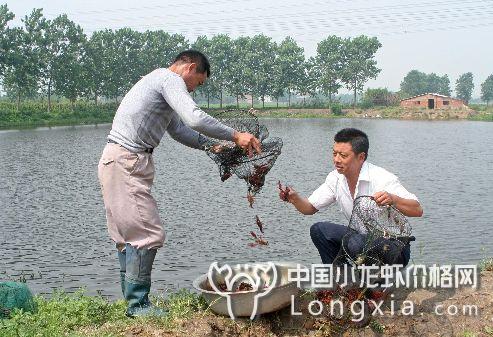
point(131, 211)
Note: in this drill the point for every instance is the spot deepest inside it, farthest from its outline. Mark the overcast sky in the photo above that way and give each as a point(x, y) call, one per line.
point(445, 37)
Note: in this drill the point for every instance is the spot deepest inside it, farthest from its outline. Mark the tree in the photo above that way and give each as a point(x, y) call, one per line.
point(289, 68)
point(487, 89)
point(329, 65)
point(464, 86)
point(219, 50)
point(379, 97)
point(261, 61)
point(5, 37)
point(22, 73)
point(309, 83)
point(417, 83)
point(359, 63)
point(438, 84)
point(126, 54)
point(240, 74)
point(414, 83)
point(159, 49)
point(67, 70)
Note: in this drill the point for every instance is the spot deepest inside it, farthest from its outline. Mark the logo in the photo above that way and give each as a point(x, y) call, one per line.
point(226, 280)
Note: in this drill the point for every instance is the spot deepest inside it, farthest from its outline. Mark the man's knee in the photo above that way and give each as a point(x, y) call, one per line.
point(327, 230)
point(316, 232)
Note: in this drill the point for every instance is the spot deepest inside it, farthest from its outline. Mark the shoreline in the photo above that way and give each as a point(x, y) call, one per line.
point(394, 113)
point(436, 311)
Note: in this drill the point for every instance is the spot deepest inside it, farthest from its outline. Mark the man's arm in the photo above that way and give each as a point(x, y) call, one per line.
point(408, 207)
point(302, 204)
point(184, 134)
point(176, 95)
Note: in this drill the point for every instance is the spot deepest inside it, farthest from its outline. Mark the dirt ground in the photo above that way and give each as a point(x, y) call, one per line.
point(423, 322)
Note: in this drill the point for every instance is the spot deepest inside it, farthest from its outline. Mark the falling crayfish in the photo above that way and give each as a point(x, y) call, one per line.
point(250, 198)
point(259, 239)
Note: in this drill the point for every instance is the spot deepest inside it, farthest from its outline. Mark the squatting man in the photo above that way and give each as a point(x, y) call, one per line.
point(159, 102)
point(353, 176)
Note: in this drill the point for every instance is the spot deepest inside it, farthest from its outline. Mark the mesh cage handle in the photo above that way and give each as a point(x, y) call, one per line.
point(406, 239)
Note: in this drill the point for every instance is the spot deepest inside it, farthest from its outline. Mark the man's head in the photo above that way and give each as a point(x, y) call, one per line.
point(350, 150)
point(193, 67)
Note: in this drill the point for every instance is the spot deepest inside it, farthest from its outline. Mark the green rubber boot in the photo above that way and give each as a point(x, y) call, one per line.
point(138, 282)
point(122, 256)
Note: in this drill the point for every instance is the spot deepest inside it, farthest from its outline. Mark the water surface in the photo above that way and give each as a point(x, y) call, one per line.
point(52, 223)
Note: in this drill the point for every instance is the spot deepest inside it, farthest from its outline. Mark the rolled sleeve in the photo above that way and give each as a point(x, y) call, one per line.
point(395, 187)
point(325, 195)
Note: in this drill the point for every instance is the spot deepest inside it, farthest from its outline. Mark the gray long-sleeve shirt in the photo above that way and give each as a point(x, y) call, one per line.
point(160, 102)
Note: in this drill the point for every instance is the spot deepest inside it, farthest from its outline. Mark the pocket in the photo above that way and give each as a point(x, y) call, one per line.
point(129, 162)
point(107, 161)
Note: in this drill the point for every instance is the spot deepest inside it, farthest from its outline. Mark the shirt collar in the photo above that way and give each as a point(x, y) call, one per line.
point(364, 173)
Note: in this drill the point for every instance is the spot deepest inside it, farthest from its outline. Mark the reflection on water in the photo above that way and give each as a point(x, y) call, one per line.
point(52, 224)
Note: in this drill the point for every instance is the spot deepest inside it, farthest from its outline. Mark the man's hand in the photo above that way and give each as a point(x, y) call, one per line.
point(286, 192)
point(220, 147)
point(408, 207)
point(247, 142)
point(383, 198)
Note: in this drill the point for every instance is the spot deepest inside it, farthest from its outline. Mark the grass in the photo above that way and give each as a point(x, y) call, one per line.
point(81, 315)
point(34, 113)
point(486, 264)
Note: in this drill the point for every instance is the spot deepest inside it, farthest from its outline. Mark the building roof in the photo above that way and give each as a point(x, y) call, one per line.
point(430, 93)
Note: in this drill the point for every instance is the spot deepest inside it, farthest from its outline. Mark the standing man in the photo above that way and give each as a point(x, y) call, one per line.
point(353, 176)
point(158, 103)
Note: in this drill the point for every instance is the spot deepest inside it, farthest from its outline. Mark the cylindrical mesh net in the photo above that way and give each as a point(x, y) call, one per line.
point(377, 235)
point(233, 160)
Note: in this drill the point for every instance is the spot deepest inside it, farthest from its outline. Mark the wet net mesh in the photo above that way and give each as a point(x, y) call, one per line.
point(15, 295)
point(233, 160)
point(377, 235)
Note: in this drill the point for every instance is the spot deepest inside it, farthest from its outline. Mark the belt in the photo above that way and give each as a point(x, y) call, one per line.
point(146, 150)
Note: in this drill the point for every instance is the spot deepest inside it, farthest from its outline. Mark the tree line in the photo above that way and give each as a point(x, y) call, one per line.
point(44, 57)
point(417, 82)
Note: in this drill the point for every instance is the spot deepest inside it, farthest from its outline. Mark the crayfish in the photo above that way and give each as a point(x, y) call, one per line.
point(244, 286)
point(259, 240)
point(283, 192)
point(225, 175)
point(257, 178)
point(250, 198)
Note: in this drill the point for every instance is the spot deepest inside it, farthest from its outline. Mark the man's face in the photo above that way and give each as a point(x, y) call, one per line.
point(192, 78)
point(345, 160)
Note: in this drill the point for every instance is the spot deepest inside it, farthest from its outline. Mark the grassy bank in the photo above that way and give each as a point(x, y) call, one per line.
point(81, 315)
point(35, 113)
point(78, 315)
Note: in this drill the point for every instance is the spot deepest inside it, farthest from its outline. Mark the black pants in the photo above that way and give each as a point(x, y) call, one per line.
point(328, 238)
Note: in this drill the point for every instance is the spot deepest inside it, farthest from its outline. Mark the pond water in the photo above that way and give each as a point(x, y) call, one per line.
point(53, 229)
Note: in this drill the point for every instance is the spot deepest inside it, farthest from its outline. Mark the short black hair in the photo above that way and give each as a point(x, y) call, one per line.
point(194, 56)
point(357, 138)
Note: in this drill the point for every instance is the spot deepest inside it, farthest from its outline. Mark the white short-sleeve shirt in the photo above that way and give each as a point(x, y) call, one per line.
point(371, 179)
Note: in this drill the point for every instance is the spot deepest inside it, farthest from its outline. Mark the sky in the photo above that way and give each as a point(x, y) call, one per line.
point(445, 37)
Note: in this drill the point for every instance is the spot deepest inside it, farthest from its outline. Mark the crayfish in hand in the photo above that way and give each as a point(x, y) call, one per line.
point(283, 192)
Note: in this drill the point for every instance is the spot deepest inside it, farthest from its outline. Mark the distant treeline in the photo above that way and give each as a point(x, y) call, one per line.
point(46, 57)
